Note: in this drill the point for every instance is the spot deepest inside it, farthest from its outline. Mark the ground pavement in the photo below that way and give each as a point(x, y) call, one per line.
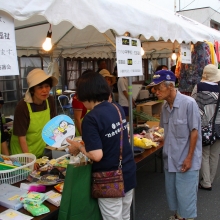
point(150, 198)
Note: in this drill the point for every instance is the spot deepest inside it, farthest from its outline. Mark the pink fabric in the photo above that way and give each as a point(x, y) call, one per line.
point(217, 50)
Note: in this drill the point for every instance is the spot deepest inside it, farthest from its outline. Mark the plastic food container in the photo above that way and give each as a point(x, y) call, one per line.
point(20, 173)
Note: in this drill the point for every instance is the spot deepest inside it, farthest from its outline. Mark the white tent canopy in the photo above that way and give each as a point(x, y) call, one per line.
point(78, 26)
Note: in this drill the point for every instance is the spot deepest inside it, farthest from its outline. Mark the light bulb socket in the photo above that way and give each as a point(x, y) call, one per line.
point(49, 34)
point(174, 51)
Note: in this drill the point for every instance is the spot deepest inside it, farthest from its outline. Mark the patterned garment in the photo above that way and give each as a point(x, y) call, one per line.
point(206, 100)
point(191, 74)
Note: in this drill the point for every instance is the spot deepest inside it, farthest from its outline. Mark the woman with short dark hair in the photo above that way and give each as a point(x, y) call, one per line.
point(32, 113)
point(101, 136)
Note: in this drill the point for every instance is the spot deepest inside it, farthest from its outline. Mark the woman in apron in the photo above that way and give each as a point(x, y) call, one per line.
point(32, 113)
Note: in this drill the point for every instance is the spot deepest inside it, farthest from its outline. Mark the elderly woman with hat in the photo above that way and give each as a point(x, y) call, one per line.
point(3, 148)
point(206, 95)
point(110, 79)
point(32, 113)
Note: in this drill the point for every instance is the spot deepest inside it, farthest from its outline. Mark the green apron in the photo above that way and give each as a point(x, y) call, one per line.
point(34, 139)
point(0, 137)
point(77, 132)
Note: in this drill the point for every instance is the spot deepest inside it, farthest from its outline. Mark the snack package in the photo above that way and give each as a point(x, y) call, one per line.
point(59, 187)
point(37, 210)
point(33, 198)
point(156, 132)
point(62, 163)
point(144, 143)
point(42, 161)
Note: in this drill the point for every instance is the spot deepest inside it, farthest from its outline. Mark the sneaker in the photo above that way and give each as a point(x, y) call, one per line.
point(173, 217)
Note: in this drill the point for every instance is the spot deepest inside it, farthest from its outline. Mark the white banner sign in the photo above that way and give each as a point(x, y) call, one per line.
point(185, 53)
point(129, 59)
point(8, 53)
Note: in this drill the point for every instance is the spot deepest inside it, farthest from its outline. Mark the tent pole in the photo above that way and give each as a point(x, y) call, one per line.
point(64, 35)
point(131, 133)
point(113, 44)
point(31, 25)
point(130, 107)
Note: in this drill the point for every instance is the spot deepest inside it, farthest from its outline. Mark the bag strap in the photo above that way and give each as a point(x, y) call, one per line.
point(216, 108)
point(121, 137)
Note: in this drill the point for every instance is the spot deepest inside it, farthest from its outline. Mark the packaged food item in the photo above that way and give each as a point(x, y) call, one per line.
point(157, 134)
point(37, 210)
point(144, 143)
point(62, 163)
point(59, 187)
point(54, 197)
point(42, 161)
point(33, 198)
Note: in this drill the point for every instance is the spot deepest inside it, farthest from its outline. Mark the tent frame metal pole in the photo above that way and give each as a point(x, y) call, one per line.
point(131, 134)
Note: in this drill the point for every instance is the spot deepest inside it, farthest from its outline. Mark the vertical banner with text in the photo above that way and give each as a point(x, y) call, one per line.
point(185, 53)
point(129, 59)
point(8, 53)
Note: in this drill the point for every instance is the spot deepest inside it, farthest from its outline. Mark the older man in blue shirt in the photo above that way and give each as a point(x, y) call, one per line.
point(182, 151)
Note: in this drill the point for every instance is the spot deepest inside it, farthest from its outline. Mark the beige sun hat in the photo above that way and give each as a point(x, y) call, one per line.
point(210, 74)
point(35, 77)
point(106, 73)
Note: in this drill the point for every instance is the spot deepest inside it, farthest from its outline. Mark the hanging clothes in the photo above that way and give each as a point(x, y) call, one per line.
point(178, 66)
point(217, 50)
point(212, 52)
point(191, 74)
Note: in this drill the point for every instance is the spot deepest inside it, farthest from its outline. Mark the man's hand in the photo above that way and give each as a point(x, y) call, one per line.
point(186, 164)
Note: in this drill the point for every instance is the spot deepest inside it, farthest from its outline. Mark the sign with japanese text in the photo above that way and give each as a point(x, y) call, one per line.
point(129, 59)
point(185, 53)
point(8, 53)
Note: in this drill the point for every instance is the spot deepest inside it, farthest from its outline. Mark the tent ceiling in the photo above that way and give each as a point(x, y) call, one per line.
point(77, 26)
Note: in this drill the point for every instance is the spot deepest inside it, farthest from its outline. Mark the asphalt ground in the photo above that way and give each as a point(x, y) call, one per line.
point(150, 198)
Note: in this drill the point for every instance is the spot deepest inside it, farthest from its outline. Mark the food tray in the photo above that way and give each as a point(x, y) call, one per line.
point(20, 173)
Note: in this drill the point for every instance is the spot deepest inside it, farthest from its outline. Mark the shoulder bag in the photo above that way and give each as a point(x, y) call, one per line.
point(217, 117)
point(212, 130)
point(110, 184)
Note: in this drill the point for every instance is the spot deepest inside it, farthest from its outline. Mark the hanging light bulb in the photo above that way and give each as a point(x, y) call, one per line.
point(47, 43)
point(142, 50)
point(173, 55)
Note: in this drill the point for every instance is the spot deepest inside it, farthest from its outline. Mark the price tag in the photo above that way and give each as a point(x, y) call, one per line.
point(11, 215)
point(54, 195)
point(13, 197)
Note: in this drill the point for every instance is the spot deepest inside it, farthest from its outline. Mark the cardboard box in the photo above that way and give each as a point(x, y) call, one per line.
point(151, 108)
point(52, 152)
point(153, 123)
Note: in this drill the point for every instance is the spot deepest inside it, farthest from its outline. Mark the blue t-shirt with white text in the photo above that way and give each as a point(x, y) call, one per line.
point(101, 130)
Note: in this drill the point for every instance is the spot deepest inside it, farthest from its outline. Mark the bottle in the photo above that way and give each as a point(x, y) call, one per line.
point(65, 88)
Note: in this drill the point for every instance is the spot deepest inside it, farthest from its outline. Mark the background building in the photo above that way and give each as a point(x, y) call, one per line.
point(207, 16)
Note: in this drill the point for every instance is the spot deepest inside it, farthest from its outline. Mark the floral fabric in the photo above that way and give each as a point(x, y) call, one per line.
point(191, 74)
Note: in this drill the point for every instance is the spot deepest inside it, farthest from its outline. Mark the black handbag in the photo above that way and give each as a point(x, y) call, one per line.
point(211, 132)
point(216, 120)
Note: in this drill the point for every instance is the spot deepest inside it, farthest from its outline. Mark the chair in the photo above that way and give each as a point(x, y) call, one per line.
point(71, 97)
point(64, 104)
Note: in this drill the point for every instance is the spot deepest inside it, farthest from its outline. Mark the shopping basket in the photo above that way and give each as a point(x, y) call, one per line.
point(17, 174)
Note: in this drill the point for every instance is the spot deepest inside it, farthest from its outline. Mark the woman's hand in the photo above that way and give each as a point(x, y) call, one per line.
point(73, 147)
point(36, 166)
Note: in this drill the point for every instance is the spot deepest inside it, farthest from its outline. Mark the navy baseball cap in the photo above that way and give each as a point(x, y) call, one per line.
point(161, 76)
point(1, 99)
